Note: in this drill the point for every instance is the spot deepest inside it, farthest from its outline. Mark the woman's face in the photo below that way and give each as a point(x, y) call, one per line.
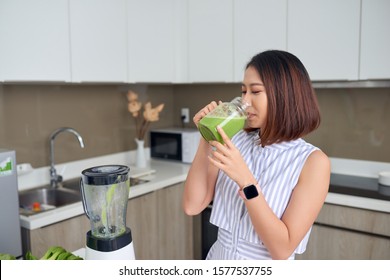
point(253, 92)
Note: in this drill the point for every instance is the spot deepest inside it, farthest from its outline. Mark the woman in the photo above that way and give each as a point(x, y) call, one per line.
point(266, 183)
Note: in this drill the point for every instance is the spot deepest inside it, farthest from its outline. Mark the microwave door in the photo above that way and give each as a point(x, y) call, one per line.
point(166, 145)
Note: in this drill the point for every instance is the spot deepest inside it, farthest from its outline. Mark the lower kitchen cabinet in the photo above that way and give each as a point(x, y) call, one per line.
point(69, 234)
point(345, 233)
point(159, 227)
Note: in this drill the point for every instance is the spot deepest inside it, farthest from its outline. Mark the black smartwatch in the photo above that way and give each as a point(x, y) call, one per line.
point(250, 192)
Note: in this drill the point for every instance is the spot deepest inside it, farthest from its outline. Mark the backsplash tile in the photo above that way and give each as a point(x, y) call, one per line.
point(30, 113)
point(354, 121)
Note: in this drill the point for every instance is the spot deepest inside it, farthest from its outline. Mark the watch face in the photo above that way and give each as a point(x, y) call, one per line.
point(250, 192)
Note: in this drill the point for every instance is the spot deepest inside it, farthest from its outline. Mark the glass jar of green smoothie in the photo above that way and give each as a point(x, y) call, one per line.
point(230, 116)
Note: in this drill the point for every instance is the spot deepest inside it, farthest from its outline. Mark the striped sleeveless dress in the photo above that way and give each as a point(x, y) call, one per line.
point(277, 168)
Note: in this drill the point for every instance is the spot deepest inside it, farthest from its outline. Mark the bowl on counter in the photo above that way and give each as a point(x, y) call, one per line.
point(384, 182)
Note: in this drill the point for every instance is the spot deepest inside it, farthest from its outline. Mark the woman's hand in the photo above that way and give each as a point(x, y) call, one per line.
point(203, 112)
point(228, 158)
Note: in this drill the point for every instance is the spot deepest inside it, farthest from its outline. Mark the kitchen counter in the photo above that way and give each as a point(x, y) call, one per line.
point(161, 174)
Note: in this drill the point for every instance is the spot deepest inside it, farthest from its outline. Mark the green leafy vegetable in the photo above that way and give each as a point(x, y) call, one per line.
point(5, 257)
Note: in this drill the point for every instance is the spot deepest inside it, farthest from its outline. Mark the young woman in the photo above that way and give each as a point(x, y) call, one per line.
point(266, 183)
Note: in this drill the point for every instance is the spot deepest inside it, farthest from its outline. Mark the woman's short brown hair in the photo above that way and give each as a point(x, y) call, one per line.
point(293, 110)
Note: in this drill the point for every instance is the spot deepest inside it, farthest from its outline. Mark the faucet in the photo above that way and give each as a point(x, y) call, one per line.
point(54, 177)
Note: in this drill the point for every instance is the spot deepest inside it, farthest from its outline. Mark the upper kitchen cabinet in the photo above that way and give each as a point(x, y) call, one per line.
point(375, 40)
point(210, 40)
point(259, 25)
point(98, 40)
point(34, 41)
point(151, 40)
point(324, 34)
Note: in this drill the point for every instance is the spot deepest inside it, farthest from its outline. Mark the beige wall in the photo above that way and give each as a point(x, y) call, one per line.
point(354, 125)
point(30, 113)
point(355, 122)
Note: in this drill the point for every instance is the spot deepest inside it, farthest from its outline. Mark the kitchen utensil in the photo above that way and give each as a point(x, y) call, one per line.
point(231, 116)
point(384, 178)
point(105, 194)
point(384, 182)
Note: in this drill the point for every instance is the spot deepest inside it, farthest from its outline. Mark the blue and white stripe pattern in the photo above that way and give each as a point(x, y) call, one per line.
point(277, 168)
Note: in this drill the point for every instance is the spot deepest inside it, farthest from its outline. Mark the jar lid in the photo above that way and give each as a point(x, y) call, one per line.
point(240, 103)
point(105, 175)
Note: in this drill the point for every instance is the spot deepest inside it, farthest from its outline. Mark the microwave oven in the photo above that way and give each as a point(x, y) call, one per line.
point(178, 144)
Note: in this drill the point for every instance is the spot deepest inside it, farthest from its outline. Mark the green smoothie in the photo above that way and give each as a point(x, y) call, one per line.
point(231, 125)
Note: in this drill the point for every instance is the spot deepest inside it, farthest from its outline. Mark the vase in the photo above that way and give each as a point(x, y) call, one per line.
point(140, 160)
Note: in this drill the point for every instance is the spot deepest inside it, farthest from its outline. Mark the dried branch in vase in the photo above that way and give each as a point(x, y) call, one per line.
point(142, 121)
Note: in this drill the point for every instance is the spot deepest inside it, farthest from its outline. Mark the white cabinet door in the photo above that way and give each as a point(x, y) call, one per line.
point(259, 25)
point(98, 40)
point(34, 40)
point(210, 40)
point(324, 34)
point(151, 40)
point(375, 40)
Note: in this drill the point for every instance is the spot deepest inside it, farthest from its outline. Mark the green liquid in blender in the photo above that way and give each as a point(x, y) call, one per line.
point(208, 127)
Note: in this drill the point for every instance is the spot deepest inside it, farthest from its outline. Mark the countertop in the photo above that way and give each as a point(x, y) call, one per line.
point(168, 173)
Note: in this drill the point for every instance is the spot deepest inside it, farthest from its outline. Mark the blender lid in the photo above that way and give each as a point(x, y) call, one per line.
point(105, 175)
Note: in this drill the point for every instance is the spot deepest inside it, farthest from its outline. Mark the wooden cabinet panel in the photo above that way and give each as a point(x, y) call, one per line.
point(342, 232)
point(355, 219)
point(142, 220)
point(159, 228)
point(70, 234)
point(328, 243)
point(174, 226)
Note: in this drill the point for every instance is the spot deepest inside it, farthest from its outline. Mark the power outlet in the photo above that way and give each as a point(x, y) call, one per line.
point(185, 114)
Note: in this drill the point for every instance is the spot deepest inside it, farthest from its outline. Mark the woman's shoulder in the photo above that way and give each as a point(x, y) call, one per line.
point(317, 165)
point(318, 158)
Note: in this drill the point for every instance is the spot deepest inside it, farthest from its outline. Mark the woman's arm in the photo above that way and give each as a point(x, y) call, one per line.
point(200, 182)
point(202, 176)
point(280, 236)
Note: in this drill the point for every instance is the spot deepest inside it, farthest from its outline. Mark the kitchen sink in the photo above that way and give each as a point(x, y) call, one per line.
point(73, 184)
point(45, 198)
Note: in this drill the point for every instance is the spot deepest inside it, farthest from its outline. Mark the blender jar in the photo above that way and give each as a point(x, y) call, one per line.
point(231, 116)
point(105, 193)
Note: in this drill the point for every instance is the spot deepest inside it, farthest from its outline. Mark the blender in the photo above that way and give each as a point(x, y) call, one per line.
point(105, 194)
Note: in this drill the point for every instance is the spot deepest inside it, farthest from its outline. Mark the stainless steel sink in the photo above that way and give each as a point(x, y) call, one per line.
point(73, 184)
point(137, 181)
point(46, 198)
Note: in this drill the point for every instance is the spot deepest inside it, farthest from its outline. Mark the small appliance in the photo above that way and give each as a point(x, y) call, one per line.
point(179, 144)
point(105, 194)
point(10, 233)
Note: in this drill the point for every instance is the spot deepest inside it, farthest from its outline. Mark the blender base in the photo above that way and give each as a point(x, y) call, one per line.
point(125, 253)
point(118, 248)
